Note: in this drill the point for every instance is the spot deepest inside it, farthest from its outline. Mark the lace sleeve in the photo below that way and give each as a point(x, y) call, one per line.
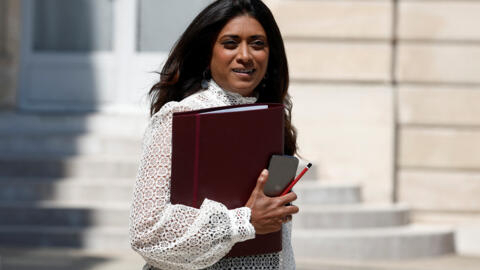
point(177, 236)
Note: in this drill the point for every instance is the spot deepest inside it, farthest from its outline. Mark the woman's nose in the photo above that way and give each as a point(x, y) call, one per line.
point(243, 55)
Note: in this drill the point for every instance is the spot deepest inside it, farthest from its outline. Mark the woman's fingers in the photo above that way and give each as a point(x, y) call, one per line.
point(269, 213)
point(257, 193)
point(287, 198)
point(292, 209)
point(262, 180)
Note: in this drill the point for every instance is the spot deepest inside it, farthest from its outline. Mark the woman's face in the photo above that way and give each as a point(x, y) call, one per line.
point(240, 55)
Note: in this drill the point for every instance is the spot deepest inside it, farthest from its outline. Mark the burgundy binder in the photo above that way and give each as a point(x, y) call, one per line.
point(220, 156)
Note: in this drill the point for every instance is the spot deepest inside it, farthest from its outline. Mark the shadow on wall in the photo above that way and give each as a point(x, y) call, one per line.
point(65, 60)
point(57, 176)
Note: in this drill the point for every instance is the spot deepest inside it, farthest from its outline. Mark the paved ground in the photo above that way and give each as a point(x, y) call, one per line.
point(451, 262)
point(73, 259)
point(66, 259)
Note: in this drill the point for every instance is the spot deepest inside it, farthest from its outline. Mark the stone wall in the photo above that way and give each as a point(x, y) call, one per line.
point(438, 70)
point(340, 58)
point(388, 94)
point(9, 51)
point(439, 95)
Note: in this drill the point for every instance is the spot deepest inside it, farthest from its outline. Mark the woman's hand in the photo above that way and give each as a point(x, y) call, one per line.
point(268, 213)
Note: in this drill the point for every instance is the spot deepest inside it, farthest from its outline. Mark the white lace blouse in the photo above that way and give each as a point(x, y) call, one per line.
point(171, 236)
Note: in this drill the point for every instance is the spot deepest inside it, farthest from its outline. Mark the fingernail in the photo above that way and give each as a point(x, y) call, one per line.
point(264, 172)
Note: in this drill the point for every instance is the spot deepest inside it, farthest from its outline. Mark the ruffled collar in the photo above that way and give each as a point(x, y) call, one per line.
point(232, 97)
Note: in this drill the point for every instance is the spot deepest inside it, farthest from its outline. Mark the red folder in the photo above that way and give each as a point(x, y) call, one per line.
point(219, 156)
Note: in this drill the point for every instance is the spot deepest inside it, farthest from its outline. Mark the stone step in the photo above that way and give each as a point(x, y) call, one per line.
point(127, 124)
point(68, 144)
point(377, 243)
point(74, 166)
point(62, 214)
point(351, 216)
point(84, 214)
point(381, 244)
point(119, 189)
point(105, 238)
point(320, 193)
point(104, 190)
point(116, 165)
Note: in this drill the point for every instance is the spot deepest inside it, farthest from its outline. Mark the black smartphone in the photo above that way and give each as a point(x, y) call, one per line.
point(281, 172)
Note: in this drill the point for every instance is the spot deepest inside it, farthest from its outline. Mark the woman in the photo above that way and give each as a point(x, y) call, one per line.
point(232, 53)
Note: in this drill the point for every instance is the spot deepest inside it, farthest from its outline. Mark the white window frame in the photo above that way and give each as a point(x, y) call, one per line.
point(123, 76)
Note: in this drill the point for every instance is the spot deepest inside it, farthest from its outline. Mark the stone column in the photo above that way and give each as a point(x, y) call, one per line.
point(438, 73)
point(9, 51)
point(340, 57)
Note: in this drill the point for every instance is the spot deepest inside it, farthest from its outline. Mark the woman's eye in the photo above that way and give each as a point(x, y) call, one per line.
point(229, 44)
point(258, 44)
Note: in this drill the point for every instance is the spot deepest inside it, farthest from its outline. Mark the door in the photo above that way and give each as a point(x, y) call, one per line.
point(96, 55)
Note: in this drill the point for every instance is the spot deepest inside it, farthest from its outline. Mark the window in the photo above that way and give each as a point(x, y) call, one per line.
point(160, 23)
point(73, 25)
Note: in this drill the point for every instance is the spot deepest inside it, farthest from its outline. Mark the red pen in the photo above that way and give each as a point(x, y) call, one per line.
point(296, 179)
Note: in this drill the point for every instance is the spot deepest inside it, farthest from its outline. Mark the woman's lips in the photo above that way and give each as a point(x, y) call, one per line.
point(244, 71)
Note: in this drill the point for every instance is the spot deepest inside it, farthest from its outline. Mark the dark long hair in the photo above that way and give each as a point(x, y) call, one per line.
point(183, 71)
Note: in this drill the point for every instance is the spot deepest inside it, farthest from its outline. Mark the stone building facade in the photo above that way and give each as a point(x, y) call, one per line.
point(393, 90)
point(385, 94)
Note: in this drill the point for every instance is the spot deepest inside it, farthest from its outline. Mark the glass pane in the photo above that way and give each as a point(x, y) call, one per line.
point(73, 25)
point(162, 22)
point(3, 27)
